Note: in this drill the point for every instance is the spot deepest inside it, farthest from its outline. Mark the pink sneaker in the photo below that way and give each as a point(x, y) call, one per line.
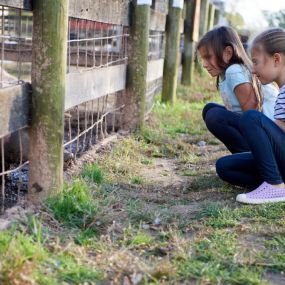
point(265, 193)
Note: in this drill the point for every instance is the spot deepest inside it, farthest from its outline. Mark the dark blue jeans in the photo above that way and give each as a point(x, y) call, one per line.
point(224, 125)
point(265, 162)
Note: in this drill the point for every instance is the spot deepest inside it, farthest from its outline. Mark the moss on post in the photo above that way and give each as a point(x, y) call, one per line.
point(137, 68)
point(216, 16)
point(191, 31)
point(48, 83)
point(170, 69)
point(204, 13)
point(211, 17)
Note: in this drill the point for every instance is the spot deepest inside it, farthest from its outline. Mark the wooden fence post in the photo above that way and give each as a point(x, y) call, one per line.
point(211, 17)
point(170, 69)
point(50, 22)
point(137, 67)
point(191, 35)
point(217, 16)
point(204, 13)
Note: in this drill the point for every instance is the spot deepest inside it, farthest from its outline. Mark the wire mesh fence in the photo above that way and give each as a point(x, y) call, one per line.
point(156, 45)
point(90, 122)
point(16, 46)
point(156, 52)
point(15, 69)
point(93, 45)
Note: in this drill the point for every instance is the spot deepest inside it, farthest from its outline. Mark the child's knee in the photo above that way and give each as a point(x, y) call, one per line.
point(207, 108)
point(221, 166)
point(214, 118)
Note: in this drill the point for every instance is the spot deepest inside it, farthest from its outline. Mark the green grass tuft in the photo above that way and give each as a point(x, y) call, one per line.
point(93, 173)
point(139, 180)
point(74, 205)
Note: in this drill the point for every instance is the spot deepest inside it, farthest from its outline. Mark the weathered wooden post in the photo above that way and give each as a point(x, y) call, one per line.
point(216, 16)
point(50, 21)
point(137, 67)
point(170, 69)
point(191, 35)
point(204, 13)
point(211, 16)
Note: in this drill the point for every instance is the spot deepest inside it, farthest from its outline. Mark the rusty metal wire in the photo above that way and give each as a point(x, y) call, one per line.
point(156, 45)
point(15, 68)
point(95, 45)
point(16, 46)
point(14, 168)
point(91, 122)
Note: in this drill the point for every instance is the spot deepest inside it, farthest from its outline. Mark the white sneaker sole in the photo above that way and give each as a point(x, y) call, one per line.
point(243, 199)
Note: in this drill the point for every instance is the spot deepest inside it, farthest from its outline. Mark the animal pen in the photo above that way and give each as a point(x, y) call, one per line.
point(113, 58)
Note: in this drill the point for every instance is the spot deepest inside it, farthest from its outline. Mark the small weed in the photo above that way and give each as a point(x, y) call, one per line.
point(74, 205)
point(72, 272)
point(36, 229)
point(141, 238)
point(85, 238)
point(189, 172)
point(139, 180)
point(147, 161)
point(137, 212)
point(93, 173)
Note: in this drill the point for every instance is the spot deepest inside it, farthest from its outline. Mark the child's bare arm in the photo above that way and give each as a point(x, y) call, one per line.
point(246, 96)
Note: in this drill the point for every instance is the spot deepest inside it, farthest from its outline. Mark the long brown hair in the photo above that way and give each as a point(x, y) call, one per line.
point(217, 40)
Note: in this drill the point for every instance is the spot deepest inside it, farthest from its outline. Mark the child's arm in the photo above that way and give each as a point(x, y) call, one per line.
point(281, 124)
point(246, 96)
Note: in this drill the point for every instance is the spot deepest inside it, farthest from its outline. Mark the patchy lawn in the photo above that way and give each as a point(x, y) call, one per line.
point(149, 209)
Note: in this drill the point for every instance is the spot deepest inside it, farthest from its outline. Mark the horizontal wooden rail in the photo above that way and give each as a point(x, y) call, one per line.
point(89, 85)
point(114, 12)
point(154, 70)
point(157, 21)
point(14, 108)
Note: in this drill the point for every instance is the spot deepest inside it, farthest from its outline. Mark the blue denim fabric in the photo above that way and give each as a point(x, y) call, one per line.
point(265, 162)
point(224, 125)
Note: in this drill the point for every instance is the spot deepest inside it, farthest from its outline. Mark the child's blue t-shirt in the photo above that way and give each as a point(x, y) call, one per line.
point(237, 74)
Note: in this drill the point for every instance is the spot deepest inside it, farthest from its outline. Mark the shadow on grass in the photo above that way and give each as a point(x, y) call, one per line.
point(201, 183)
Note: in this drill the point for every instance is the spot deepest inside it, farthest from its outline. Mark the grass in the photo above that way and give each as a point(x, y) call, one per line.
point(74, 205)
point(93, 173)
point(114, 223)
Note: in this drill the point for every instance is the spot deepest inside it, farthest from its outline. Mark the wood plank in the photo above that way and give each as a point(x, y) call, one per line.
point(107, 11)
point(92, 84)
point(157, 21)
point(14, 108)
point(154, 70)
point(22, 4)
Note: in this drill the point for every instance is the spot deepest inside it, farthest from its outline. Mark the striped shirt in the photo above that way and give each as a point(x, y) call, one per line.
point(279, 110)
